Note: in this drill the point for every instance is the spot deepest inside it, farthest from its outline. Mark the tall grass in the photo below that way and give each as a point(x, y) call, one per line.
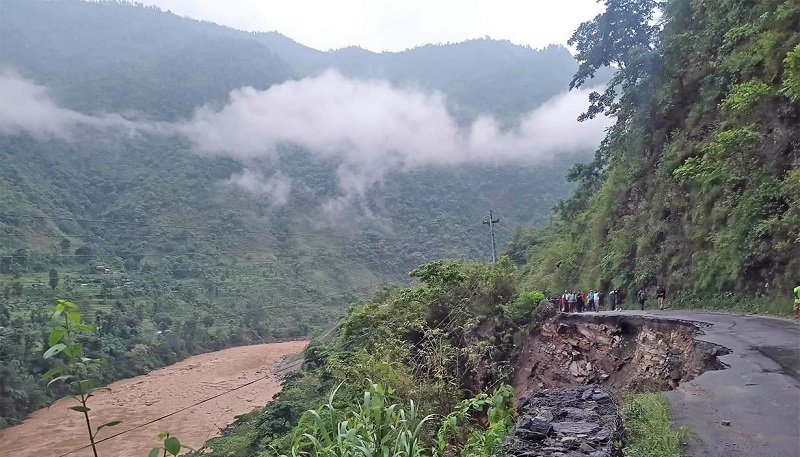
point(724, 303)
point(648, 427)
point(733, 303)
point(377, 428)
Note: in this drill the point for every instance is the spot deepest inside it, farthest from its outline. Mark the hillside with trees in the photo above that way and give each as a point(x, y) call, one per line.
point(166, 257)
point(697, 185)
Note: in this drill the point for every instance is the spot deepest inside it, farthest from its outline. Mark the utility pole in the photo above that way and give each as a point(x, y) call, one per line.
point(490, 222)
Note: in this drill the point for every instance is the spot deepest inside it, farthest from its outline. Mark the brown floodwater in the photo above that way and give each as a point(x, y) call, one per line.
point(55, 431)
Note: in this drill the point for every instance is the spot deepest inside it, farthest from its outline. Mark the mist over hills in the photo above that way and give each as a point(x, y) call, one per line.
point(120, 56)
point(242, 187)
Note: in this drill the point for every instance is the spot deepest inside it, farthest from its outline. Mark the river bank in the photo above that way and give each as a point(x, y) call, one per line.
point(57, 431)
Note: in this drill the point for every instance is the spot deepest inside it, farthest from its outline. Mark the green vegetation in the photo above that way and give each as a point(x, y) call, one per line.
point(194, 264)
point(696, 185)
point(722, 302)
point(648, 427)
point(730, 303)
point(171, 446)
point(377, 427)
point(75, 370)
point(447, 344)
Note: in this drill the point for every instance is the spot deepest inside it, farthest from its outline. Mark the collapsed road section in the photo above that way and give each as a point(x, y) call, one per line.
point(618, 351)
point(571, 365)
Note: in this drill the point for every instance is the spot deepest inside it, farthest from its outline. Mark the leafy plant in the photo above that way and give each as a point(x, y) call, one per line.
point(744, 96)
point(481, 441)
point(74, 368)
point(378, 427)
point(170, 446)
point(722, 159)
point(523, 306)
point(791, 74)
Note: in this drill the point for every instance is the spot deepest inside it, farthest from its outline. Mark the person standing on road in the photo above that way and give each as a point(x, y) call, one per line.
point(571, 302)
point(797, 300)
point(641, 296)
point(661, 295)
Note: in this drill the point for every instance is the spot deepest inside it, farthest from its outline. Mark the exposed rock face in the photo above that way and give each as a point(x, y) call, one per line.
point(566, 423)
point(619, 352)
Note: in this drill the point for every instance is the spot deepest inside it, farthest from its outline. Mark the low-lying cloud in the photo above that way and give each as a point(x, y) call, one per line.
point(276, 187)
point(369, 127)
point(28, 107)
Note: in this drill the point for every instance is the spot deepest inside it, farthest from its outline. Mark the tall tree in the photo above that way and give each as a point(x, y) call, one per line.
point(65, 243)
point(53, 278)
point(624, 38)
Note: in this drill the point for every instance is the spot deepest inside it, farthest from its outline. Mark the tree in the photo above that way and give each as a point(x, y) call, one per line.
point(53, 278)
point(65, 243)
point(85, 252)
point(5, 265)
point(623, 37)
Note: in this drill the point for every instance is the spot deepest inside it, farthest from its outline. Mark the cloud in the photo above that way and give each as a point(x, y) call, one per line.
point(28, 107)
point(368, 127)
point(277, 187)
point(371, 127)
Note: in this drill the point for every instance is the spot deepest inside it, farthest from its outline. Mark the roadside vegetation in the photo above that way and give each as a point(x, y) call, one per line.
point(723, 303)
point(649, 429)
point(166, 254)
point(730, 303)
point(446, 344)
point(697, 185)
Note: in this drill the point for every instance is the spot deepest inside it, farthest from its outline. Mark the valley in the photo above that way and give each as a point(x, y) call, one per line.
point(171, 391)
point(270, 250)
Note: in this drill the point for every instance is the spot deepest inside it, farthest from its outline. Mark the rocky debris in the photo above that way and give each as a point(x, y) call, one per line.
point(546, 310)
point(566, 423)
point(620, 352)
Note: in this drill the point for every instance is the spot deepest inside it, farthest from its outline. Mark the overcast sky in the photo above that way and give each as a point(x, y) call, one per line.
point(394, 25)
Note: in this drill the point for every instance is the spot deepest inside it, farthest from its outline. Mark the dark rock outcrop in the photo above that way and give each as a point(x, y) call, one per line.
point(566, 423)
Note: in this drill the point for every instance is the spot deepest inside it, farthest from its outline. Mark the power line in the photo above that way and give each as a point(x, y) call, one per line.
point(173, 413)
point(170, 414)
point(172, 226)
point(471, 291)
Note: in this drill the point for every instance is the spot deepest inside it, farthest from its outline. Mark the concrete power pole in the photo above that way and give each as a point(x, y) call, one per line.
point(491, 223)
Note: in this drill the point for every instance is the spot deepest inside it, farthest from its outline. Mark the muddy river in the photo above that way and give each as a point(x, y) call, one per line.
point(57, 431)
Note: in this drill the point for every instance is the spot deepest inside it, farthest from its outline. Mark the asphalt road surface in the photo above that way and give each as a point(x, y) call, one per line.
point(759, 392)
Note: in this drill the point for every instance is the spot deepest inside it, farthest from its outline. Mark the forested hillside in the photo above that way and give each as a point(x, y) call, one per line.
point(697, 185)
point(170, 252)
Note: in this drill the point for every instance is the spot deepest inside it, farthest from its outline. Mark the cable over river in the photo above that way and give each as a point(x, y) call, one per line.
point(170, 391)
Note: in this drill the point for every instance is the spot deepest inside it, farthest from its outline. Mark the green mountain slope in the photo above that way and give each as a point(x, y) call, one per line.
point(194, 263)
point(696, 186)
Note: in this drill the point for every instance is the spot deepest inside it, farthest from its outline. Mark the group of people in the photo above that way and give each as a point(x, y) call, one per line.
point(594, 300)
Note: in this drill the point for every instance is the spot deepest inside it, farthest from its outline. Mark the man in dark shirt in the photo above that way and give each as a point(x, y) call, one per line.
point(641, 296)
point(661, 295)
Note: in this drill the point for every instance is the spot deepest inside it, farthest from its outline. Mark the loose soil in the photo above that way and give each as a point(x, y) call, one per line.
point(56, 431)
point(620, 352)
